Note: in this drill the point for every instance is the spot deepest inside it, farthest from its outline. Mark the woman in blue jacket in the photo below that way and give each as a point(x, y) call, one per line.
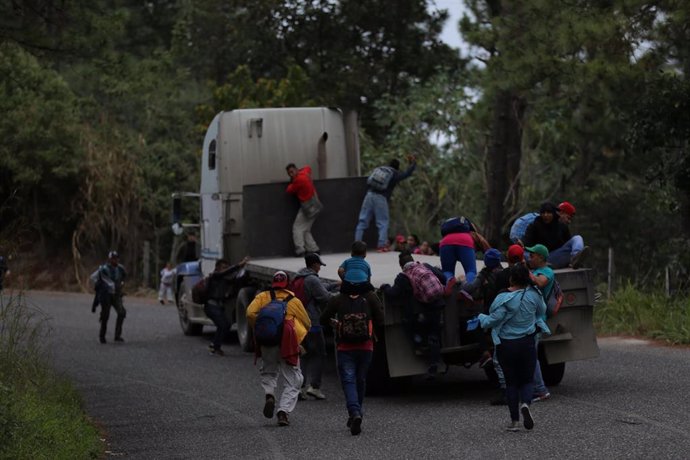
point(514, 319)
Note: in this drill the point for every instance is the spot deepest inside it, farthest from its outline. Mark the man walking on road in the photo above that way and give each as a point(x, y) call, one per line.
point(381, 183)
point(314, 294)
point(310, 206)
point(112, 275)
point(280, 323)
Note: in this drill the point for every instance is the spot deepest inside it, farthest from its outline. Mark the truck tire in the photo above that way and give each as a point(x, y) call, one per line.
point(184, 296)
point(245, 337)
point(551, 373)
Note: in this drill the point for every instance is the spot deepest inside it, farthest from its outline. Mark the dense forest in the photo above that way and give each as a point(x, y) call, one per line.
point(104, 106)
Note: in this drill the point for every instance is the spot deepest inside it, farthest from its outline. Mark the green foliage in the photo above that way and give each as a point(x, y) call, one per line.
point(40, 152)
point(40, 413)
point(633, 312)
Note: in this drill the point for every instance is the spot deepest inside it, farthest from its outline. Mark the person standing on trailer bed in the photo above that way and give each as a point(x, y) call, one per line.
point(302, 186)
point(381, 183)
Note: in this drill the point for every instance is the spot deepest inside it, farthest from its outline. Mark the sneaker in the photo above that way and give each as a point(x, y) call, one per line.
point(269, 406)
point(315, 393)
point(302, 396)
point(162, 301)
point(216, 352)
point(356, 426)
point(119, 339)
point(577, 259)
point(541, 397)
point(514, 426)
point(102, 339)
point(527, 419)
point(383, 249)
point(349, 421)
point(448, 290)
point(282, 418)
point(499, 400)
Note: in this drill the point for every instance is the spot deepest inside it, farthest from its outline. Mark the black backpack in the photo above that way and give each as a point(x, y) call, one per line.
point(355, 324)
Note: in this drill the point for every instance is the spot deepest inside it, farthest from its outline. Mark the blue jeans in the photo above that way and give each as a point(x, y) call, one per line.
point(560, 258)
point(539, 386)
point(452, 253)
point(352, 369)
point(216, 313)
point(518, 358)
point(374, 205)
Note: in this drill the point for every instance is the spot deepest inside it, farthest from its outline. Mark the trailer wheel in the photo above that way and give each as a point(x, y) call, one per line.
point(244, 332)
point(184, 296)
point(551, 373)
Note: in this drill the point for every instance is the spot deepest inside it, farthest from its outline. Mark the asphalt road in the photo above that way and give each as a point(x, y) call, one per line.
point(161, 396)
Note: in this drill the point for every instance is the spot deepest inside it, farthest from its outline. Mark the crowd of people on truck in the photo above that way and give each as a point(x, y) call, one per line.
point(508, 306)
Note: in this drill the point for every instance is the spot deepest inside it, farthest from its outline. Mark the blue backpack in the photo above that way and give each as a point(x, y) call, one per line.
point(268, 328)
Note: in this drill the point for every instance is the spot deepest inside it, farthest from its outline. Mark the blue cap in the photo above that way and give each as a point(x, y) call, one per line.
point(492, 258)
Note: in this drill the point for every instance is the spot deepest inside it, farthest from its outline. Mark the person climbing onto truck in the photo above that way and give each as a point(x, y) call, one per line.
point(484, 288)
point(515, 319)
point(314, 293)
point(302, 186)
point(381, 183)
point(457, 244)
point(353, 318)
point(418, 291)
point(280, 324)
point(355, 271)
point(550, 231)
point(218, 291)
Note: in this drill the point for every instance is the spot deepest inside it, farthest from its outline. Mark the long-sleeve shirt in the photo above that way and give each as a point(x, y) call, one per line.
point(399, 177)
point(295, 310)
point(317, 293)
point(515, 314)
point(302, 185)
point(553, 235)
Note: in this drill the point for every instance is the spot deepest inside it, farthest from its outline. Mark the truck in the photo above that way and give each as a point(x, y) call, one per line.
point(245, 211)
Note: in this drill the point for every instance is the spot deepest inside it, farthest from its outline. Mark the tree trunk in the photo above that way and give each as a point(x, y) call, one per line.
point(503, 164)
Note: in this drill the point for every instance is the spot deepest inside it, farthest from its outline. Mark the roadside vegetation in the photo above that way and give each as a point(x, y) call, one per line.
point(631, 311)
point(40, 412)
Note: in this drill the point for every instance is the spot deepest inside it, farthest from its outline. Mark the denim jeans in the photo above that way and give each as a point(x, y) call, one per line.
point(560, 258)
point(539, 386)
point(452, 253)
point(216, 313)
point(518, 358)
point(352, 369)
point(374, 205)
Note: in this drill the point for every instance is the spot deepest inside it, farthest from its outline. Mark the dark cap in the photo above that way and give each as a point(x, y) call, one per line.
point(313, 258)
point(113, 254)
point(548, 207)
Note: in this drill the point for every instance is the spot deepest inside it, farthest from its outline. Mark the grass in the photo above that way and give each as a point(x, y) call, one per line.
point(653, 315)
point(41, 416)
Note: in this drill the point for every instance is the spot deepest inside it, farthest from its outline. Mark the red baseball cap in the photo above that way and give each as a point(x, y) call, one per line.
point(566, 208)
point(280, 279)
point(515, 253)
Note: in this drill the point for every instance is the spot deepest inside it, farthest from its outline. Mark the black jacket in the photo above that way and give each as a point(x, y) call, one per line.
point(553, 235)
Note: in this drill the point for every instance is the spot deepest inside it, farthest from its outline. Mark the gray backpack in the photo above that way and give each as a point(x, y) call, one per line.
point(380, 178)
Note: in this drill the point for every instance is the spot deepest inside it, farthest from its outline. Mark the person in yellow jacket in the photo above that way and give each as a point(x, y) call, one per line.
point(281, 359)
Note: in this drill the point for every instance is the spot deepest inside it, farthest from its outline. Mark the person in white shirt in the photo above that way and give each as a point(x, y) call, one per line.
point(165, 289)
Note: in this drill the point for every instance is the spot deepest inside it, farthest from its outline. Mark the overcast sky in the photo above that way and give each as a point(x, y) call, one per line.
point(455, 9)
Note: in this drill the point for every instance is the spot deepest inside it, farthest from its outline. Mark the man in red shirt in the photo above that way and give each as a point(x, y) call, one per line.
point(310, 206)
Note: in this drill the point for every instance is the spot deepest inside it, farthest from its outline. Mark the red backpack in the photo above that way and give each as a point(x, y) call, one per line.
point(297, 287)
point(426, 286)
